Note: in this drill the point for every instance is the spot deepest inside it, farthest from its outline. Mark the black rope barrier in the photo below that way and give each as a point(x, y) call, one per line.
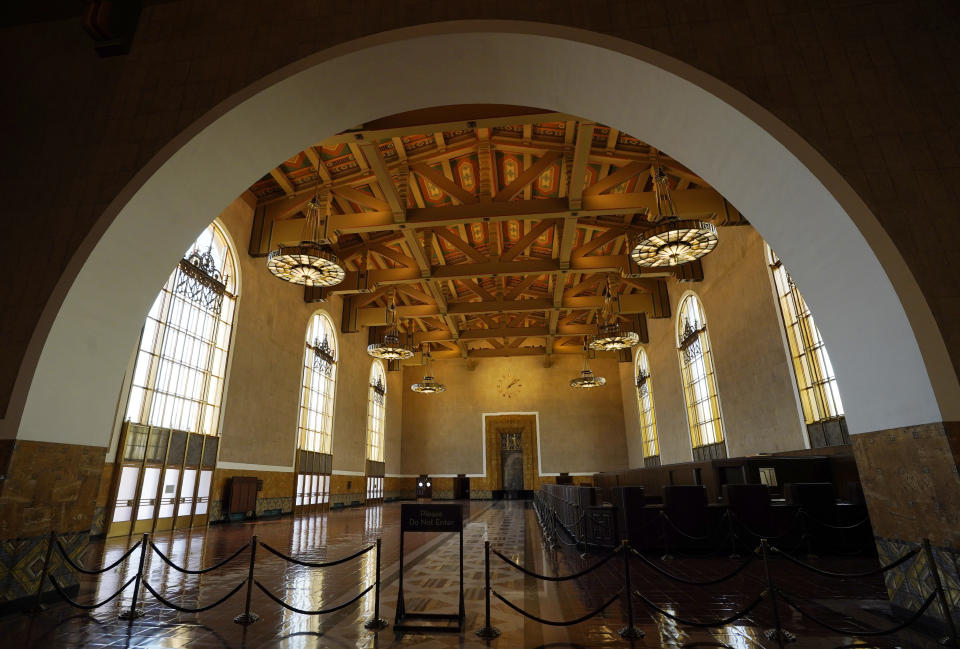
point(564, 527)
point(848, 575)
point(88, 607)
point(831, 526)
point(854, 632)
point(184, 609)
point(584, 618)
point(770, 537)
point(99, 571)
point(693, 582)
point(530, 573)
point(697, 623)
point(691, 537)
point(305, 612)
point(311, 564)
point(201, 571)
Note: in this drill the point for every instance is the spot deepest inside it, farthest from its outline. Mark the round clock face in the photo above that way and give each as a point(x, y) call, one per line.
point(508, 386)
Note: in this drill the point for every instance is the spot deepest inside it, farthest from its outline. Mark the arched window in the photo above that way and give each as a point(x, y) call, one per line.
point(315, 429)
point(376, 412)
point(169, 445)
point(376, 420)
point(182, 360)
point(819, 394)
point(699, 381)
point(319, 385)
point(648, 419)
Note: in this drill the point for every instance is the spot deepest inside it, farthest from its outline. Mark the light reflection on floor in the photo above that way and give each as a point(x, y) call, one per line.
point(431, 583)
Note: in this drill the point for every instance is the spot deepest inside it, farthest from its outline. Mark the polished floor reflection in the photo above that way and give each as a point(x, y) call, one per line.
point(431, 585)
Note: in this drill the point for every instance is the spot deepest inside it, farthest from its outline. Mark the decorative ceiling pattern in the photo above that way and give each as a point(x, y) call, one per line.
point(497, 234)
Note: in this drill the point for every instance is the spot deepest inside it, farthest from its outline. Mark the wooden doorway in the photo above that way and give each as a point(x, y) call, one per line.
point(511, 442)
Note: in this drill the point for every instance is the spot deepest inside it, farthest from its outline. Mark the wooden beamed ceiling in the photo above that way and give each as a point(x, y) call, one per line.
point(495, 226)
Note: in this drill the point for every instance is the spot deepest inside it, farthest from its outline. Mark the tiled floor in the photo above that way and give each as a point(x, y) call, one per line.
point(431, 584)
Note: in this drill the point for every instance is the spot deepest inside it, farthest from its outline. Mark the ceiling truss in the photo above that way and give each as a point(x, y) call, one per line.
point(495, 227)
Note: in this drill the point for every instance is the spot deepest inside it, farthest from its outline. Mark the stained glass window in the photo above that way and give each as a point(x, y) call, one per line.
point(816, 381)
point(376, 412)
point(648, 419)
point(699, 378)
point(181, 361)
point(319, 385)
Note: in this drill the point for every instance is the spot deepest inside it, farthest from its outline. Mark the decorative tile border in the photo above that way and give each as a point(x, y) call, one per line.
point(909, 584)
point(21, 564)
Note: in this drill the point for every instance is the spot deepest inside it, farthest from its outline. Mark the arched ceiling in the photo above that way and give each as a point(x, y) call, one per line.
point(496, 225)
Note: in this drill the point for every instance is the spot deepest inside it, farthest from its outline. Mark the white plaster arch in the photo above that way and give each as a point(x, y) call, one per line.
point(792, 196)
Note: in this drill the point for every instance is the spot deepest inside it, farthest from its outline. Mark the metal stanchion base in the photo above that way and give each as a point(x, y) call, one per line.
point(131, 614)
point(631, 633)
point(488, 632)
point(786, 636)
point(246, 618)
point(376, 624)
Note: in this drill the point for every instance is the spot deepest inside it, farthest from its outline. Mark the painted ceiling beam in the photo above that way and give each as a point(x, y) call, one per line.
point(578, 169)
point(378, 165)
point(632, 303)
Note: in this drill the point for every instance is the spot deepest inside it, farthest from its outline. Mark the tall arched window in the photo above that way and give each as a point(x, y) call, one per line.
point(315, 429)
point(169, 445)
point(699, 381)
point(319, 385)
point(816, 381)
point(648, 419)
point(376, 420)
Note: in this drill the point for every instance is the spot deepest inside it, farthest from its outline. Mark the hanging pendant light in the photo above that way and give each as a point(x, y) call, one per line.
point(611, 336)
point(428, 385)
point(312, 262)
point(390, 348)
point(676, 241)
point(587, 380)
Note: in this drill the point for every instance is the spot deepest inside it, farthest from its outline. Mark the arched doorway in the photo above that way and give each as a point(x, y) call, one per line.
point(789, 193)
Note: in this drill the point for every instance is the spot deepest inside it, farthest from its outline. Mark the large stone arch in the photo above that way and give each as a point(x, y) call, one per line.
point(873, 315)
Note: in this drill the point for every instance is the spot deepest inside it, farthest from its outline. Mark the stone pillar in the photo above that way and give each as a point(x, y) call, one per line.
point(44, 486)
point(912, 489)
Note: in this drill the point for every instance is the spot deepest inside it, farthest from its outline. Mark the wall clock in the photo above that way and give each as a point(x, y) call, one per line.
point(509, 386)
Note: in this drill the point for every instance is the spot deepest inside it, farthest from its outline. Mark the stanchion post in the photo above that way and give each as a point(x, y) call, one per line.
point(628, 632)
point(554, 543)
point(941, 596)
point(777, 633)
point(247, 617)
point(805, 534)
point(580, 529)
point(135, 611)
point(731, 534)
point(665, 533)
point(377, 622)
point(38, 605)
point(487, 631)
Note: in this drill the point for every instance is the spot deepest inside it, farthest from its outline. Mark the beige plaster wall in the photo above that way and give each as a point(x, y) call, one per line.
point(580, 430)
point(757, 391)
point(263, 396)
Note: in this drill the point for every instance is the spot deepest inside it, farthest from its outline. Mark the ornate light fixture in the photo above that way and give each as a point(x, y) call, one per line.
point(312, 262)
point(610, 334)
point(676, 241)
point(390, 348)
point(428, 385)
point(587, 380)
